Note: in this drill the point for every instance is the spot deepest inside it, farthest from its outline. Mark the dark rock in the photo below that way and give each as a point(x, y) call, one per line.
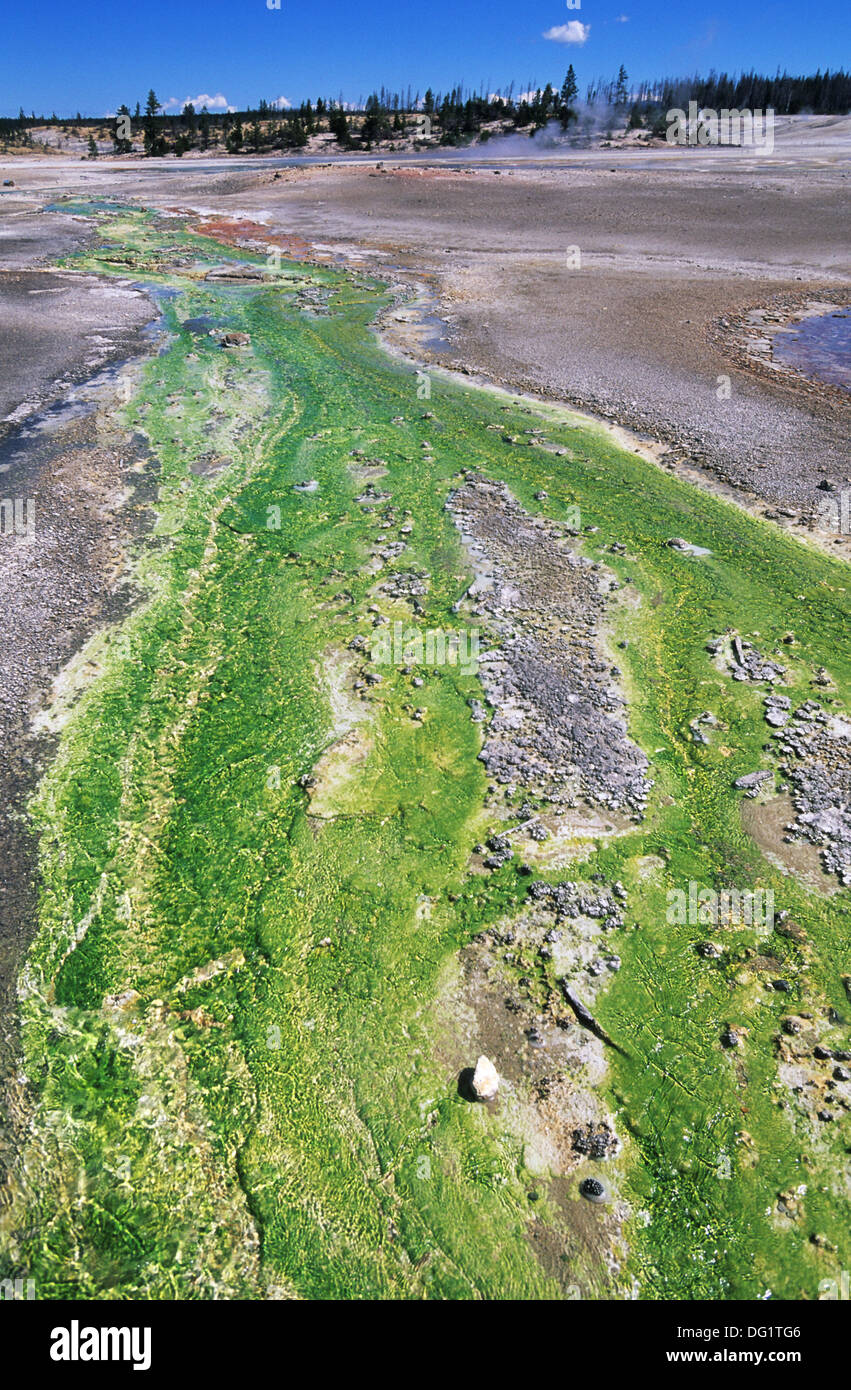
point(594, 1141)
point(593, 1189)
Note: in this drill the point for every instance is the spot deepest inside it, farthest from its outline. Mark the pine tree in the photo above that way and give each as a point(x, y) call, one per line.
point(152, 141)
point(567, 96)
point(338, 125)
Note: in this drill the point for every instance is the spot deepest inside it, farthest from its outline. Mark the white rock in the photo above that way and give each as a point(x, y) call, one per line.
point(485, 1082)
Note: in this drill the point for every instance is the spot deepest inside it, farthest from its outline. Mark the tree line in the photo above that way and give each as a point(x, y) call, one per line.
point(454, 117)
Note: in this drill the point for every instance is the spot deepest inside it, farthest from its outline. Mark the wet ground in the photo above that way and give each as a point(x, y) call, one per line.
point(58, 329)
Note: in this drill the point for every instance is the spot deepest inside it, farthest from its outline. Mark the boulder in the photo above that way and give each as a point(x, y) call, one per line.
point(752, 780)
point(485, 1082)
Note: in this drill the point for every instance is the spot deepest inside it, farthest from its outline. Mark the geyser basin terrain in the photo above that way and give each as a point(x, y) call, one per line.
point(283, 908)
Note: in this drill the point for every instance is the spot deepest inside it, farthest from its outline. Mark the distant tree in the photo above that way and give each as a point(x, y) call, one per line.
point(153, 142)
point(93, 148)
point(204, 127)
point(545, 102)
point(293, 133)
point(621, 93)
point(338, 124)
point(235, 137)
point(376, 124)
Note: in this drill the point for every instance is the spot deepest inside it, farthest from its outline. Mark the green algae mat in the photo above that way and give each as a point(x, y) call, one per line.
point(248, 997)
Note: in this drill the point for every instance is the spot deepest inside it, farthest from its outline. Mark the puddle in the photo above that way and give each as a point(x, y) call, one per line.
point(818, 347)
point(435, 339)
point(86, 207)
point(418, 322)
point(158, 293)
point(201, 325)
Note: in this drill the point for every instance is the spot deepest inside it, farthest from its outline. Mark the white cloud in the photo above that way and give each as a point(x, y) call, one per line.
point(282, 103)
point(622, 19)
point(574, 32)
point(212, 103)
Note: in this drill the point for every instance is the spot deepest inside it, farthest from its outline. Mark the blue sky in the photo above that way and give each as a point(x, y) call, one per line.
point(96, 54)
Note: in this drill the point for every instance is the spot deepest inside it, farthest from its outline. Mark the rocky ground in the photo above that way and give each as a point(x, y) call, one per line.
point(814, 747)
point(524, 990)
point(556, 732)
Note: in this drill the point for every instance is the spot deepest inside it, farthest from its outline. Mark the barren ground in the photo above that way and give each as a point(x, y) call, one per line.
point(674, 247)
